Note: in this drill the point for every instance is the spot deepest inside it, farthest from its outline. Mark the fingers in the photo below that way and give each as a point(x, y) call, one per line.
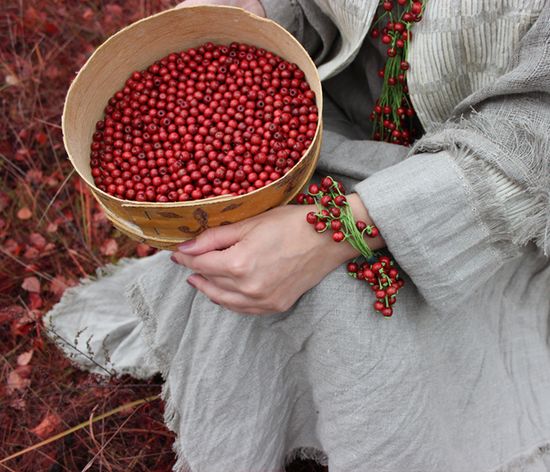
point(212, 239)
point(211, 263)
point(231, 300)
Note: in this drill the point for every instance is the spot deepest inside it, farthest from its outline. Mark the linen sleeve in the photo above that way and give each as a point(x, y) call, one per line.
point(474, 192)
point(305, 20)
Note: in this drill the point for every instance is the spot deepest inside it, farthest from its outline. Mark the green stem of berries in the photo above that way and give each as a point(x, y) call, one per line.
point(334, 213)
point(393, 114)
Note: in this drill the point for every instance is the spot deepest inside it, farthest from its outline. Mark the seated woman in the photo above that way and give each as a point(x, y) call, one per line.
point(458, 379)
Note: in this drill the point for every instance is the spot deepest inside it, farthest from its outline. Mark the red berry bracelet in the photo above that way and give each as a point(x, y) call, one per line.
point(334, 213)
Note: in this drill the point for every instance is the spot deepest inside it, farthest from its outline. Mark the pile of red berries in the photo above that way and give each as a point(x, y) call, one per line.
point(208, 121)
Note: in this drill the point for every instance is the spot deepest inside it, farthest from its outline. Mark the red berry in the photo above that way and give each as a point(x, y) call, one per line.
point(327, 182)
point(380, 294)
point(378, 306)
point(338, 236)
point(416, 8)
point(352, 267)
point(384, 260)
point(336, 212)
point(387, 311)
point(325, 200)
point(369, 274)
point(336, 225)
point(361, 225)
point(311, 218)
point(340, 200)
point(320, 226)
point(313, 189)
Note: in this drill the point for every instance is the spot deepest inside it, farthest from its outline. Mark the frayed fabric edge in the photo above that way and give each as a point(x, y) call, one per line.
point(134, 294)
point(520, 463)
point(172, 419)
point(307, 453)
point(69, 303)
point(465, 140)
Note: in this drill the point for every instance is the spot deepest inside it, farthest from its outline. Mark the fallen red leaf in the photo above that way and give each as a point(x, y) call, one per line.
point(23, 323)
point(51, 228)
point(59, 284)
point(24, 213)
point(24, 358)
point(143, 249)
point(51, 28)
point(113, 9)
point(31, 284)
point(17, 380)
point(52, 73)
point(35, 301)
point(13, 247)
point(87, 14)
point(34, 176)
point(109, 247)
point(31, 253)
point(47, 426)
point(37, 240)
point(22, 154)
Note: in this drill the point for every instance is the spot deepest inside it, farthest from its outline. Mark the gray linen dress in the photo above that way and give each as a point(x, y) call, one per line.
point(458, 380)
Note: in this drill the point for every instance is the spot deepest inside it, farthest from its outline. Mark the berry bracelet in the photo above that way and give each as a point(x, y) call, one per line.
point(334, 213)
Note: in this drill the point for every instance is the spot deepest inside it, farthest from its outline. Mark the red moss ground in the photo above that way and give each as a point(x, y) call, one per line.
point(52, 233)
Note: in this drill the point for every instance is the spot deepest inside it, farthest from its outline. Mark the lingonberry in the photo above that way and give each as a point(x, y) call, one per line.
point(212, 120)
point(338, 236)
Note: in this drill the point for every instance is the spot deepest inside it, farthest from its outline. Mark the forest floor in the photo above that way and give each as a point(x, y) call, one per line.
point(52, 234)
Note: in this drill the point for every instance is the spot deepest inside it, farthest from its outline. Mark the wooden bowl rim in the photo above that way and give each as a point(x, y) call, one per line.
point(204, 201)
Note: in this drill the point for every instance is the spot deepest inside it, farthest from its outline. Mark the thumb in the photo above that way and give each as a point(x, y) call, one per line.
point(212, 239)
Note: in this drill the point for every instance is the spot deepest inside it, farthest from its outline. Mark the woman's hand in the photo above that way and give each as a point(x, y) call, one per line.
point(264, 264)
point(253, 6)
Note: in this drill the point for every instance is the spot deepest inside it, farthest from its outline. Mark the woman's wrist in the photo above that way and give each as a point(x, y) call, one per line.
point(343, 251)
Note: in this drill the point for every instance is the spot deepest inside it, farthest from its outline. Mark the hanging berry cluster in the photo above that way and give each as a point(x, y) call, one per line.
point(212, 120)
point(393, 115)
point(334, 213)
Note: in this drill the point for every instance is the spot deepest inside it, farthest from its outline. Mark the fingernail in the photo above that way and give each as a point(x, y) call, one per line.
point(191, 283)
point(173, 258)
point(186, 245)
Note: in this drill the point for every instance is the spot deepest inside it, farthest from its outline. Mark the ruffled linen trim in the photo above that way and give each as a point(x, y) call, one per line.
point(524, 462)
point(517, 212)
point(69, 304)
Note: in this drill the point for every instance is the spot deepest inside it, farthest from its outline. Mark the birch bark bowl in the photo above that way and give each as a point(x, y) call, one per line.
point(165, 225)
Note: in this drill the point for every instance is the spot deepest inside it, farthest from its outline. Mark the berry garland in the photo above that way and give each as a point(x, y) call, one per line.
point(334, 212)
point(394, 122)
point(393, 115)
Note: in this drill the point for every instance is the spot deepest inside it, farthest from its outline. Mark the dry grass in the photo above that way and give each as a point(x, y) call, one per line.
point(51, 234)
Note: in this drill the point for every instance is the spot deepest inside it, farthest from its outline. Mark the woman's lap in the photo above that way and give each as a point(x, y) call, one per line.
point(329, 374)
